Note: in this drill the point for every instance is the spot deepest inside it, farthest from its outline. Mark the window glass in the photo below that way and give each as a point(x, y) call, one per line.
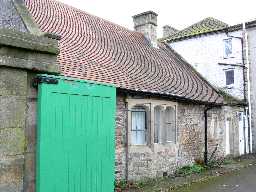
point(227, 47)
point(170, 124)
point(157, 125)
point(138, 132)
point(229, 77)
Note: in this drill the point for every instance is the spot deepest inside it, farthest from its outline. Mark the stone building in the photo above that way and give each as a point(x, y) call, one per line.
point(251, 55)
point(163, 105)
point(218, 52)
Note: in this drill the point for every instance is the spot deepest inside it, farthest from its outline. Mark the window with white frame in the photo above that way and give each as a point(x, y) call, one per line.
point(230, 77)
point(138, 126)
point(227, 47)
point(164, 124)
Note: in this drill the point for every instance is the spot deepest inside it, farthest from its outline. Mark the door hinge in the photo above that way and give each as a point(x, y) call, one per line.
point(44, 79)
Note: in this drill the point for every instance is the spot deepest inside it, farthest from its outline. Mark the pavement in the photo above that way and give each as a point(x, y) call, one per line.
point(243, 180)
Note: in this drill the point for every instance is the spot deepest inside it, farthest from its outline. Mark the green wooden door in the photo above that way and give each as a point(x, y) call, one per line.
point(75, 137)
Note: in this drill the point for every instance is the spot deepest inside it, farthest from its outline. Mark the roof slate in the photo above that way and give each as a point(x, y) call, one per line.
point(94, 49)
point(207, 25)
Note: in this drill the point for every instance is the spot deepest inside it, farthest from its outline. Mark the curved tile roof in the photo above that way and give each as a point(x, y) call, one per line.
point(207, 25)
point(94, 49)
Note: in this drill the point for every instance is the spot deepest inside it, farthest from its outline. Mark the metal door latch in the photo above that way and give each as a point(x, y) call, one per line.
point(44, 79)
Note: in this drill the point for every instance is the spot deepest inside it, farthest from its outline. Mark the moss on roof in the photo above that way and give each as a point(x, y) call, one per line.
point(208, 24)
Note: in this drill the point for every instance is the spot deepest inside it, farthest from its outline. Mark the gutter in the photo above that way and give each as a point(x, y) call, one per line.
point(169, 96)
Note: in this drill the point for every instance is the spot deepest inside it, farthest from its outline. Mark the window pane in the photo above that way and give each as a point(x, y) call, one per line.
point(138, 128)
point(170, 124)
point(227, 47)
point(229, 77)
point(157, 125)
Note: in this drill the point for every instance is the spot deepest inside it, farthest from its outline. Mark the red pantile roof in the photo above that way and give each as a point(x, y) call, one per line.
point(94, 49)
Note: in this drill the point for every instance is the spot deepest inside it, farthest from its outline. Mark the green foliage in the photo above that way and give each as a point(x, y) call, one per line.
point(188, 170)
point(228, 161)
point(121, 184)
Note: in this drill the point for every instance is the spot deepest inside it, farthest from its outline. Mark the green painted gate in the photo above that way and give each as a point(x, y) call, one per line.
point(75, 136)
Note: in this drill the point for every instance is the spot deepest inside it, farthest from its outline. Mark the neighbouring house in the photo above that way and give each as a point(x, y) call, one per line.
point(167, 114)
point(251, 55)
point(218, 52)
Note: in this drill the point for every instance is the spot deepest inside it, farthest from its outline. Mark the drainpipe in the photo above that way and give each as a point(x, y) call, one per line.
point(244, 42)
point(249, 88)
point(206, 135)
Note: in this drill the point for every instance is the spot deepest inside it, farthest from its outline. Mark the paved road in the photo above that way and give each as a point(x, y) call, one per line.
point(240, 181)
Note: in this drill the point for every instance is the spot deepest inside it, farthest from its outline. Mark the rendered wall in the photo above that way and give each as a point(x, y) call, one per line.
point(252, 60)
point(206, 54)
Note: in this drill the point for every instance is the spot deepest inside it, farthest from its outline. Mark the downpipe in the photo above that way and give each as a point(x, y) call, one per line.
point(247, 65)
point(206, 134)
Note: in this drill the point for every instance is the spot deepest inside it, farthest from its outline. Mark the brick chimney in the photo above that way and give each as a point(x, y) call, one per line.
point(168, 31)
point(146, 23)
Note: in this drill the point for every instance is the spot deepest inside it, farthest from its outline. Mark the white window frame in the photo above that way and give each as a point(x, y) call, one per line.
point(225, 43)
point(139, 109)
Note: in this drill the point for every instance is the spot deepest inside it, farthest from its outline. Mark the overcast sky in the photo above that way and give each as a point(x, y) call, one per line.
point(177, 13)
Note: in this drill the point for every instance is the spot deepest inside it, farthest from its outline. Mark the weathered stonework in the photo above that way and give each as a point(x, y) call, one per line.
point(121, 114)
point(21, 59)
point(155, 160)
point(146, 23)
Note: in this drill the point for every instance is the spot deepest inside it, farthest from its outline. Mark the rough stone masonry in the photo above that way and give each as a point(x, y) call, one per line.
point(22, 56)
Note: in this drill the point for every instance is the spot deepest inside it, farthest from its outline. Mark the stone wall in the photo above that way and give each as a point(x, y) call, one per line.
point(120, 138)
point(13, 92)
point(155, 160)
point(20, 60)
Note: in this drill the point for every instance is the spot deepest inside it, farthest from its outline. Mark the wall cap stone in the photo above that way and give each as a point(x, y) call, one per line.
point(13, 38)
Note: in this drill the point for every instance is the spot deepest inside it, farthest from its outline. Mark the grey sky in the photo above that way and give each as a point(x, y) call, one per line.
point(177, 13)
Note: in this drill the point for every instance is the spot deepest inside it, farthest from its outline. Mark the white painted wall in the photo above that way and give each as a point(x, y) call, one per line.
point(252, 63)
point(205, 53)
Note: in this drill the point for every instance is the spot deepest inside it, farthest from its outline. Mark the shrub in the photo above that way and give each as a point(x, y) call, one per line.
point(188, 170)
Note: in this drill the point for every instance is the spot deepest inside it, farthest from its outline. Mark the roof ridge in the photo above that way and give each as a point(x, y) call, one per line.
point(83, 11)
point(207, 24)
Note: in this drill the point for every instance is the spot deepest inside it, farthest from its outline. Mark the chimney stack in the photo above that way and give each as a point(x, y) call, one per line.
point(168, 31)
point(146, 23)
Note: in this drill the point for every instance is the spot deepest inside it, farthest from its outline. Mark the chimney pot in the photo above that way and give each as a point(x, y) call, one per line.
point(146, 23)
